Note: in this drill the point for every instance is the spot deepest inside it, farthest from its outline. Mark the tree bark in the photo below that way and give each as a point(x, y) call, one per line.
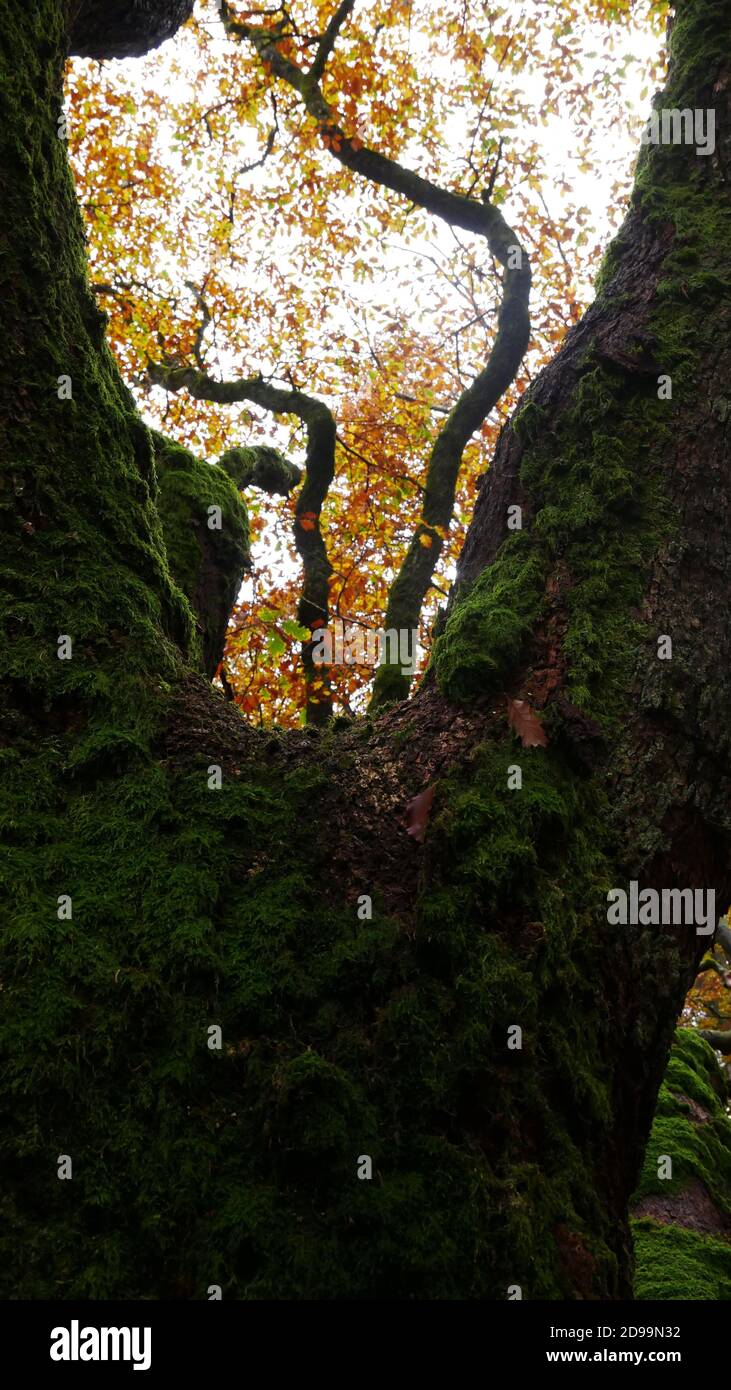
point(123, 28)
point(172, 872)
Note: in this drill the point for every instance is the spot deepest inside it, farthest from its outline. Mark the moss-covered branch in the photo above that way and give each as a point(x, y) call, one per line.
point(206, 533)
point(410, 586)
point(455, 209)
point(205, 527)
point(262, 467)
point(313, 608)
point(682, 1211)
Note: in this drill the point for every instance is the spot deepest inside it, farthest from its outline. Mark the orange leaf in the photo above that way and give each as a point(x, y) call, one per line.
point(527, 725)
point(418, 811)
point(308, 521)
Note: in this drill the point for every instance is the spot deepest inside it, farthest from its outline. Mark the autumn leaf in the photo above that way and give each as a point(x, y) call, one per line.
point(296, 630)
point(526, 724)
point(308, 521)
point(418, 811)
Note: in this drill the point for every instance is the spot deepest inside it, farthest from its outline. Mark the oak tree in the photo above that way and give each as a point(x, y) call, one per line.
point(173, 869)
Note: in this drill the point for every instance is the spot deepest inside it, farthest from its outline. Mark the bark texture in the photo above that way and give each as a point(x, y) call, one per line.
point(170, 871)
point(123, 28)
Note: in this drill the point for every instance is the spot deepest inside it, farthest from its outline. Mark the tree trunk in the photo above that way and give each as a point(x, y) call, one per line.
point(152, 901)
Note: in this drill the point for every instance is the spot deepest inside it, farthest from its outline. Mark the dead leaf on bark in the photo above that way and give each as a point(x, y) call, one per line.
point(527, 725)
point(418, 811)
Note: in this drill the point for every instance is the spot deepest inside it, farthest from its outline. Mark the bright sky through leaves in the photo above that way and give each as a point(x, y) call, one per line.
point(211, 204)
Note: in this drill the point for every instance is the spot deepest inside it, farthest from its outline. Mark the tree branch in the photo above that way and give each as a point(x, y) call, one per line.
point(313, 609)
point(329, 39)
point(454, 208)
point(409, 589)
point(412, 582)
point(261, 467)
point(200, 299)
point(720, 1038)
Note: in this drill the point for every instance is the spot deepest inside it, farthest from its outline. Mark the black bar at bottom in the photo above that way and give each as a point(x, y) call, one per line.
point(260, 1341)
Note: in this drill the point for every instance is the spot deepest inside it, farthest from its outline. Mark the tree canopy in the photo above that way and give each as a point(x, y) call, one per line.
point(285, 212)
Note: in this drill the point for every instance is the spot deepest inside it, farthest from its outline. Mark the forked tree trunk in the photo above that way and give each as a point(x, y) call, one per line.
point(146, 907)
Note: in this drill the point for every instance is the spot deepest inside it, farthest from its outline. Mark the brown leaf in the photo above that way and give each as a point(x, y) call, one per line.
point(526, 723)
point(418, 811)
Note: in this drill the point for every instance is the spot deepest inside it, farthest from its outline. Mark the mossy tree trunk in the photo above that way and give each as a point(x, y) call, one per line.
point(681, 1220)
point(170, 872)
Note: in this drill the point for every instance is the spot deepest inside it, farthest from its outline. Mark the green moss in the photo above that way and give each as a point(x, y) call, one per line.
point(340, 1039)
point(195, 907)
point(674, 1263)
point(392, 686)
point(114, 1008)
point(486, 633)
point(82, 552)
point(699, 1146)
point(528, 421)
point(584, 479)
point(207, 560)
point(498, 859)
point(598, 469)
point(261, 466)
point(671, 1260)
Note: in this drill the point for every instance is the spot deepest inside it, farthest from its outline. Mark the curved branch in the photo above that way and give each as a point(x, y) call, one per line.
point(454, 208)
point(710, 964)
point(313, 608)
point(409, 589)
point(262, 467)
point(720, 1038)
